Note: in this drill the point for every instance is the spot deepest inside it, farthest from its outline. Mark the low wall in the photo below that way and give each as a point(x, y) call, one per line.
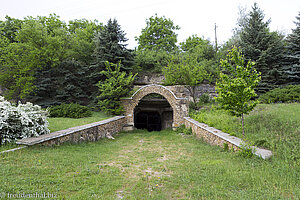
point(216, 137)
point(89, 132)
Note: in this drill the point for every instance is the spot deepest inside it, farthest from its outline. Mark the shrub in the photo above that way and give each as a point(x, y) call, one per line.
point(204, 98)
point(287, 94)
point(246, 151)
point(184, 130)
point(72, 110)
point(22, 121)
point(117, 84)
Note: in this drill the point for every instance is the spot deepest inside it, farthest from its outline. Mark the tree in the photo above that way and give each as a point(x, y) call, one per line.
point(82, 43)
point(111, 46)
point(151, 61)
point(204, 52)
point(263, 47)
point(185, 70)
point(236, 85)
point(9, 28)
point(159, 34)
point(292, 68)
point(40, 42)
point(116, 85)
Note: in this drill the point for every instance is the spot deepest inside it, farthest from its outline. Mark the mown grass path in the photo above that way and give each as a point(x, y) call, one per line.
point(143, 165)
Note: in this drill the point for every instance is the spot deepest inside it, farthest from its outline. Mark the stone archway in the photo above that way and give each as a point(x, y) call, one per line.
point(179, 105)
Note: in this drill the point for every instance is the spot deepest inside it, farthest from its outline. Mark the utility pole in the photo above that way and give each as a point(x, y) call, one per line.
point(216, 40)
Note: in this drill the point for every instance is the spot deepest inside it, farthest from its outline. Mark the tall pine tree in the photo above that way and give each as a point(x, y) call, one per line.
point(292, 69)
point(110, 46)
point(264, 47)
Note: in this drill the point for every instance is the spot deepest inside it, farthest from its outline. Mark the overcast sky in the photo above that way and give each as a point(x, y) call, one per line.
point(193, 16)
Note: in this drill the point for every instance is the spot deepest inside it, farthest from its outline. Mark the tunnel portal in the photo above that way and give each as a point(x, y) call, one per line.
point(153, 113)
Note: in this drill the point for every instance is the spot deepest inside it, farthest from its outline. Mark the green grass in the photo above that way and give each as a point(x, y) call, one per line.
point(8, 146)
point(272, 126)
point(57, 124)
point(145, 165)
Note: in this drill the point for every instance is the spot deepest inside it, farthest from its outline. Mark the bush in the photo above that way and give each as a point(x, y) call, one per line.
point(204, 98)
point(287, 94)
point(72, 110)
point(117, 84)
point(22, 121)
point(246, 151)
point(186, 131)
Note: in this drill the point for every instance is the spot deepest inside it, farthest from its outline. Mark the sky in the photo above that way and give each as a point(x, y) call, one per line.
point(196, 17)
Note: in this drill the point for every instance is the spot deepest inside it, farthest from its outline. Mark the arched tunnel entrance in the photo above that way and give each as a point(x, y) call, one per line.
point(153, 113)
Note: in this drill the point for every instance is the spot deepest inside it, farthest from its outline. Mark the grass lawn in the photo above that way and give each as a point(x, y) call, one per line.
point(145, 165)
point(57, 124)
point(273, 126)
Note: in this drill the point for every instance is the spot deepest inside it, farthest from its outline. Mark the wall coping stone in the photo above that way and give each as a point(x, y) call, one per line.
point(42, 138)
point(263, 153)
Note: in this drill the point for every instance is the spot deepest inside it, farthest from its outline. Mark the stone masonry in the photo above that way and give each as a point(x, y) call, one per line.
point(216, 137)
point(89, 132)
point(179, 104)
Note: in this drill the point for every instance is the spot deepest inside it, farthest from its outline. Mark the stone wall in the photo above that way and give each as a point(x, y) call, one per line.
point(158, 78)
point(216, 137)
point(211, 135)
point(149, 78)
point(89, 132)
point(179, 105)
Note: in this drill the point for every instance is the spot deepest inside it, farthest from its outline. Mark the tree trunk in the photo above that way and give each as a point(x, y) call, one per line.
point(192, 89)
point(243, 125)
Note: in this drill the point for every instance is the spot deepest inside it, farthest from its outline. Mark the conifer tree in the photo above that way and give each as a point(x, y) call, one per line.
point(264, 47)
point(110, 46)
point(292, 69)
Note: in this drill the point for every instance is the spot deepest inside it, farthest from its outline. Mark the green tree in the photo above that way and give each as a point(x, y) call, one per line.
point(17, 68)
point(236, 85)
point(151, 61)
point(263, 47)
point(116, 85)
point(111, 46)
point(82, 43)
point(159, 34)
point(9, 28)
point(292, 67)
point(205, 54)
point(185, 70)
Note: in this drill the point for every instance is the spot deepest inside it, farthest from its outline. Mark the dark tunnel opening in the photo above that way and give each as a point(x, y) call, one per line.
point(153, 113)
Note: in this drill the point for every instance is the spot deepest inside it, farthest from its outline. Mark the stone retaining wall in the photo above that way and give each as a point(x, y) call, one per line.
point(89, 132)
point(216, 137)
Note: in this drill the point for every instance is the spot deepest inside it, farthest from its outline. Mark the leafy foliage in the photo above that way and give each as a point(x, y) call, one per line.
point(72, 110)
point(159, 34)
point(22, 121)
point(183, 130)
point(151, 61)
point(246, 151)
point(116, 85)
point(185, 70)
point(236, 85)
point(204, 52)
point(35, 60)
point(286, 94)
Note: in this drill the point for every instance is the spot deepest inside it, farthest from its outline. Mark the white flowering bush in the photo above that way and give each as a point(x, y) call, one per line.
point(22, 121)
